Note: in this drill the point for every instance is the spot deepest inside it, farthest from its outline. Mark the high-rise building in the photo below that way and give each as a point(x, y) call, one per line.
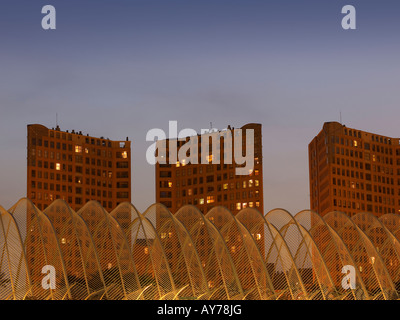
point(76, 168)
point(216, 175)
point(352, 171)
point(207, 184)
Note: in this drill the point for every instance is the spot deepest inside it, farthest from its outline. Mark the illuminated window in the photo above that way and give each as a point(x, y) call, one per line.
point(257, 204)
point(233, 249)
point(210, 199)
point(201, 201)
point(169, 184)
point(355, 143)
point(244, 205)
point(258, 236)
point(146, 250)
point(63, 241)
point(189, 192)
point(124, 155)
point(225, 186)
point(256, 183)
point(177, 164)
point(238, 206)
point(58, 166)
point(244, 184)
point(256, 172)
point(86, 150)
point(210, 158)
point(163, 235)
point(170, 235)
point(250, 183)
point(78, 149)
point(251, 204)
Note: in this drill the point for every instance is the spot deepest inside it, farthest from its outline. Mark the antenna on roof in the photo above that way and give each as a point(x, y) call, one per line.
point(57, 127)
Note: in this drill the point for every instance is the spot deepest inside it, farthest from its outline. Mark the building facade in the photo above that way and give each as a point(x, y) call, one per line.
point(353, 171)
point(206, 185)
point(76, 168)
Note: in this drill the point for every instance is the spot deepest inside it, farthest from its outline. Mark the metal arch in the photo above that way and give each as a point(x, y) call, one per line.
point(365, 242)
point(141, 220)
point(272, 229)
point(210, 226)
point(277, 226)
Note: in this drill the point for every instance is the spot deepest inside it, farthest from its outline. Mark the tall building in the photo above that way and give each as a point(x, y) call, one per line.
point(209, 184)
point(219, 178)
point(352, 171)
point(76, 168)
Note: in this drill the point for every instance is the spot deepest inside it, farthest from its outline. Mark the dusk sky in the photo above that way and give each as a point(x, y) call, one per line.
point(120, 68)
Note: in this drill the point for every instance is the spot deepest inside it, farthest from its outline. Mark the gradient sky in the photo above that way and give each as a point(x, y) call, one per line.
point(120, 68)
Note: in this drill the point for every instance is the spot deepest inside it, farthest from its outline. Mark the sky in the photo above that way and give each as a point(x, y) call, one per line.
point(120, 68)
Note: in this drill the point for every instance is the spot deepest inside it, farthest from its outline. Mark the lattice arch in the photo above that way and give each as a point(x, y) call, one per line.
point(157, 255)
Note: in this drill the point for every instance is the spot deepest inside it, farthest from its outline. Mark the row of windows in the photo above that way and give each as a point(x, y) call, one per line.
point(191, 192)
point(65, 136)
point(78, 191)
point(78, 158)
point(362, 197)
point(78, 169)
point(375, 138)
point(363, 207)
point(357, 186)
point(360, 186)
point(210, 199)
point(58, 176)
point(78, 201)
point(225, 186)
point(368, 176)
point(168, 174)
point(51, 186)
point(210, 168)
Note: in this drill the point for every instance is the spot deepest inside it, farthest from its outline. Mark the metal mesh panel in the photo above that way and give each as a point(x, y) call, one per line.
point(41, 249)
point(114, 255)
point(14, 277)
point(369, 263)
point(157, 255)
point(222, 281)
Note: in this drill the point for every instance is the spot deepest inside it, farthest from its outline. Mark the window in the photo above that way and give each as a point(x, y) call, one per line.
point(78, 149)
